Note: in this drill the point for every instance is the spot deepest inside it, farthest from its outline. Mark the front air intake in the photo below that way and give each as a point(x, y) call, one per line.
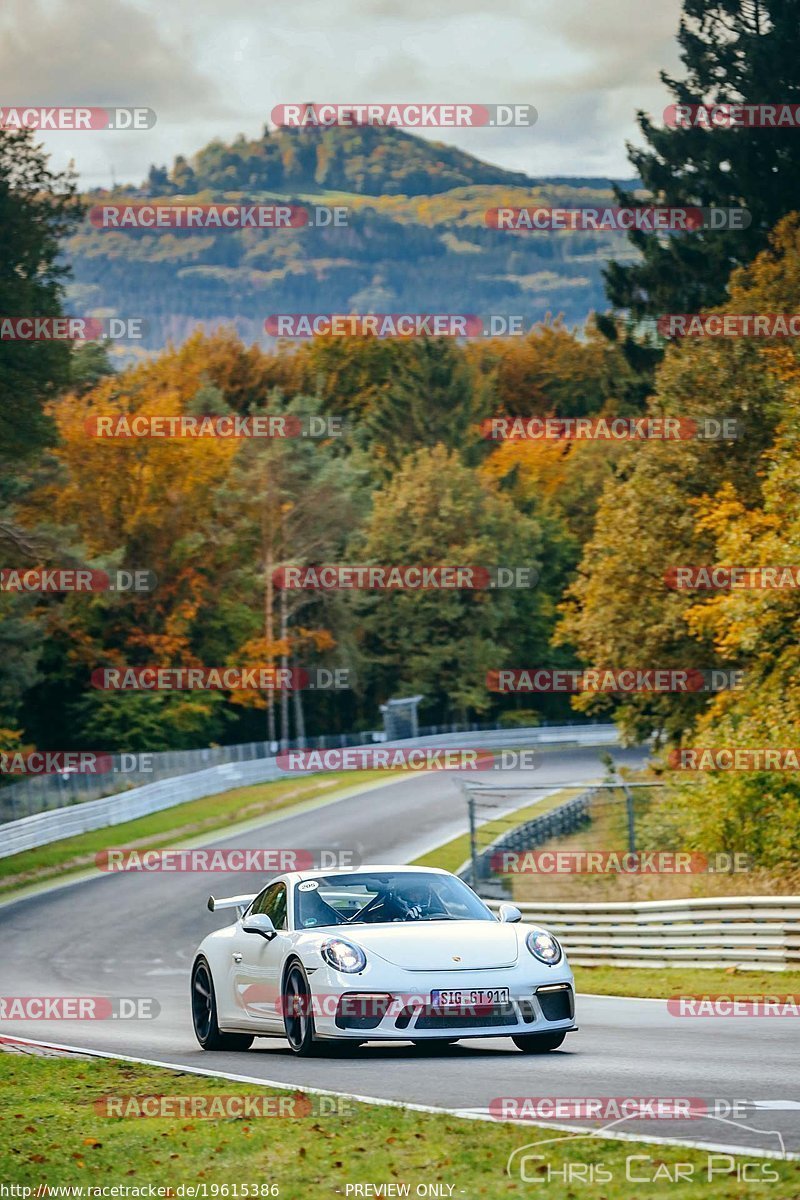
point(556, 1002)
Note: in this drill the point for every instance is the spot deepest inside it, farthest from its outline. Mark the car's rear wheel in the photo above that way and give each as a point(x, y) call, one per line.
point(204, 1014)
point(539, 1043)
point(298, 1019)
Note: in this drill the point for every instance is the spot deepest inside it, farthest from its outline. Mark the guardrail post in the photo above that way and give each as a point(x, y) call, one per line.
point(473, 848)
point(631, 817)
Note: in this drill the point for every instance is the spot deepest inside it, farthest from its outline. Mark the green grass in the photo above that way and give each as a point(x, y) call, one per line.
point(453, 854)
point(184, 821)
point(687, 981)
point(51, 1132)
point(608, 830)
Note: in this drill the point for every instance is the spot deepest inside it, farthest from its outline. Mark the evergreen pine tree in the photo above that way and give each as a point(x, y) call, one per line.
point(733, 51)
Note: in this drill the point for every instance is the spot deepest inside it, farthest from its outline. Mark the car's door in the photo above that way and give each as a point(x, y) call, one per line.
point(256, 962)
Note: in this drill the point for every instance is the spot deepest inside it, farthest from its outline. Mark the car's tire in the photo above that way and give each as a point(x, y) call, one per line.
point(298, 1018)
point(204, 1014)
point(539, 1043)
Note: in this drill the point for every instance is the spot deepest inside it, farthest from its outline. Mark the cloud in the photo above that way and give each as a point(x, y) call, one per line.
point(85, 52)
point(213, 70)
point(105, 53)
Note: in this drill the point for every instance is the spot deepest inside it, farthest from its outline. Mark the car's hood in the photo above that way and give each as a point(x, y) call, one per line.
point(439, 945)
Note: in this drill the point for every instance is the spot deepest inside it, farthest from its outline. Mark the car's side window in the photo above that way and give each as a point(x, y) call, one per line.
point(258, 904)
point(272, 902)
point(276, 905)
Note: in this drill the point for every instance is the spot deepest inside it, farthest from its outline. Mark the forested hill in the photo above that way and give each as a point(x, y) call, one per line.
point(416, 239)
point(363, 159)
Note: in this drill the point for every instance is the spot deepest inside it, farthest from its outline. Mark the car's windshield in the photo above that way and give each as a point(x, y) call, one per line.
point(374, 897)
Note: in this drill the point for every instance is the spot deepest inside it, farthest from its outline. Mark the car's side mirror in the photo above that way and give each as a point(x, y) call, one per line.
point(510, 914)
point(260, 923)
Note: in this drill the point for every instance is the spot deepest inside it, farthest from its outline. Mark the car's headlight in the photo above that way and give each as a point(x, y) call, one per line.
point(343, 956)
point(543, 946)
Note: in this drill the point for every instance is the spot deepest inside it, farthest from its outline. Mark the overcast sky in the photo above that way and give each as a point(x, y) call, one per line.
point(215, 68)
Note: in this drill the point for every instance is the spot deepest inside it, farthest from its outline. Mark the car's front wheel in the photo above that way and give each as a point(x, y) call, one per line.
point(298, 1019)
point(539, 1043)
point(204, 1014)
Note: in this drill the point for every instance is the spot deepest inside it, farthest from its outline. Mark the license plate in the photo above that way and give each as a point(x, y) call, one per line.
point(468, 997)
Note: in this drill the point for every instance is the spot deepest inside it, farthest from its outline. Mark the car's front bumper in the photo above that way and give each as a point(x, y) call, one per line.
point(370, 1012)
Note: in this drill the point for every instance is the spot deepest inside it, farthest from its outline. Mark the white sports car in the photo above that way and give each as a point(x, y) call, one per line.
point(377, 954)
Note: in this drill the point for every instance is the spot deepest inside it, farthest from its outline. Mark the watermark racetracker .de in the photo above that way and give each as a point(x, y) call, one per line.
point(616, 219)
point(395, 325)
point(618, 862)
point(624, 680)
point(225, 679)
point(334, 577)
point(417, 758)
point(74, 118)
point(72, 329)
point(188, 218)
point(79, 1008)
point(76, 579)
point(260, 425)
point(266, 862)
point(608, 429)
point(407, 115)
point(215, 1106)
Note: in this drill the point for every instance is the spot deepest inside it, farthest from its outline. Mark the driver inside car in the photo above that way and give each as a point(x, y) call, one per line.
point(417, 902)
point(412, 902)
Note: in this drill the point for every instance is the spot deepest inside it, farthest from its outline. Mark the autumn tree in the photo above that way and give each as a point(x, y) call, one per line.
point(554, 371)
point(349, 375)
point(754, 627)
point(133, 503)
point(757, 628)
point(285, 502)
point(438, 511)
point(38, 207)
point(619, 611)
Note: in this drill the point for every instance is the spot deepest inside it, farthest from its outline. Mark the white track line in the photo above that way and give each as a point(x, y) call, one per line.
point(461, 1113)
point(465, 1114)
point(607, 996)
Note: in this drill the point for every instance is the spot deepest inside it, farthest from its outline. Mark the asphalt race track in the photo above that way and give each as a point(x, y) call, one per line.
point(135, 934)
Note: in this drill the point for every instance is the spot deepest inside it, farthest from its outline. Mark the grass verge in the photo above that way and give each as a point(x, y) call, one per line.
point(608, 832)
point(451, 855)
point(172, 826)
point(684, 981)
point(51, 1132)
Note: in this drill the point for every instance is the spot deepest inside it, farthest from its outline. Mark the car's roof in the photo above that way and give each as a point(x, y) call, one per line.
point(366, 869)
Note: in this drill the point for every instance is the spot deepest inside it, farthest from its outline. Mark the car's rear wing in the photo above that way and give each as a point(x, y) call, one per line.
point(238, 902)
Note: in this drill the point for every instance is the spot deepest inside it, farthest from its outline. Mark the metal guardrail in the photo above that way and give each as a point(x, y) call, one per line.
point(558, 822)
point(41, 793)
point(59, 823)
point(759, 933)
point(752, 933)
point(46, 827)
